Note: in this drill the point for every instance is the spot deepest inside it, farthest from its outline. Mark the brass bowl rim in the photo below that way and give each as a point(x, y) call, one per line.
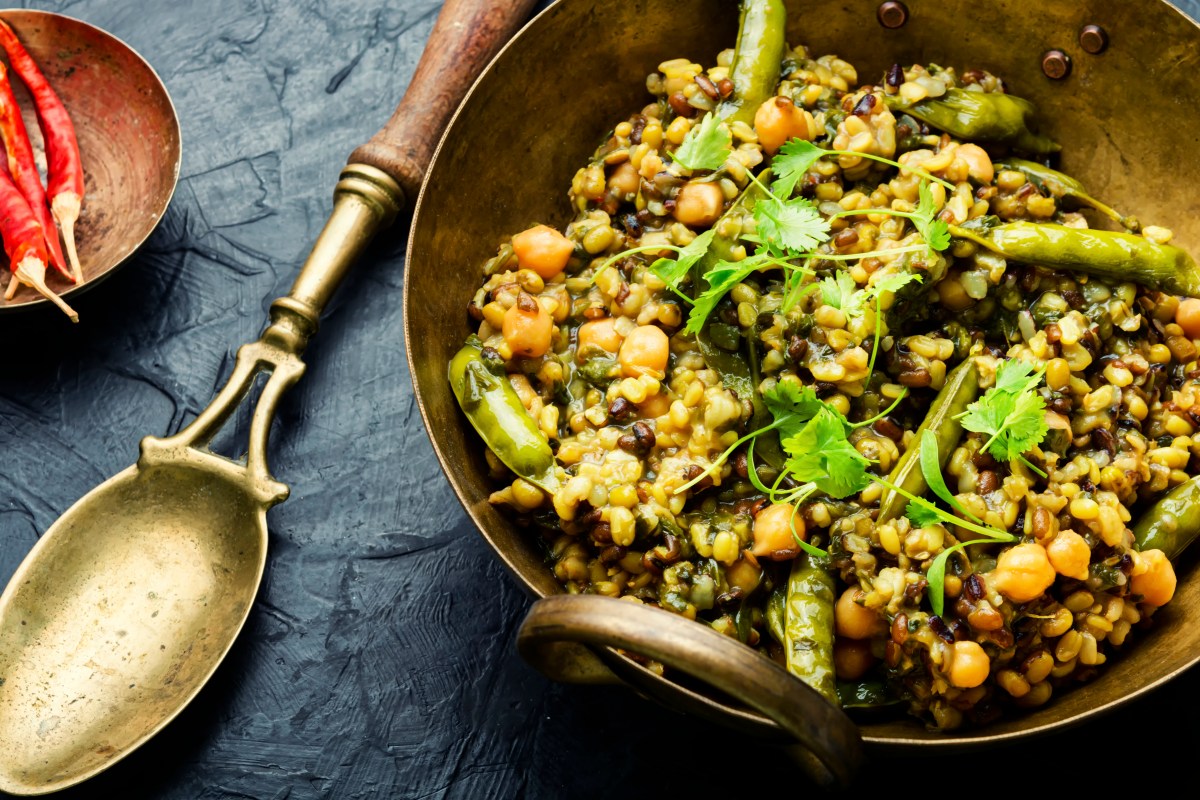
point(24, 306)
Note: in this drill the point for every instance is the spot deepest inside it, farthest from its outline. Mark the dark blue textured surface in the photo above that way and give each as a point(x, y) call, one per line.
point(378, 661)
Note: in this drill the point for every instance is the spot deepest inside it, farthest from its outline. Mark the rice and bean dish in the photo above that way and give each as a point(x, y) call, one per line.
point(843, 370)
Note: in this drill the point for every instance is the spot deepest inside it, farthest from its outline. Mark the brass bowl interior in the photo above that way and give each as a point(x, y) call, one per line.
point(128, 136)
point(546, 102)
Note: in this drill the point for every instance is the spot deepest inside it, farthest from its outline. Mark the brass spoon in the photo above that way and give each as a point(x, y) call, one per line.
point(128, 603)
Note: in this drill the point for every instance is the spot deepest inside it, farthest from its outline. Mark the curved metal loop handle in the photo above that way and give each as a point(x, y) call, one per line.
point(832, 747)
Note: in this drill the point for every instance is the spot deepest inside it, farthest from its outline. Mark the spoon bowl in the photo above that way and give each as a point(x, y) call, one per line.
point(126, 607)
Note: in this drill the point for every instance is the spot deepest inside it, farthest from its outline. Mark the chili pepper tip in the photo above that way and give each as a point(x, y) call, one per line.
point(32, 272)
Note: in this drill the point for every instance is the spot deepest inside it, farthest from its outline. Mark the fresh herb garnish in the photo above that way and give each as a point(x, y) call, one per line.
point(706, 146)
point(931, 469)
point(796, 157)
point(1011, 413)
point(793, 225)
point(923, 513)
point(722, 278)
point(672, 271)
point(820, 454)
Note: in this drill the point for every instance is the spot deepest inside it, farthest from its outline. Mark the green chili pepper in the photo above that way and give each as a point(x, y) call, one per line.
point(756, 59)
point(496, 412)
point(958, 392)
point(1063, 186)
point(979, 117)
point(1122, 256)
point(1173, 522)
point(808, 626)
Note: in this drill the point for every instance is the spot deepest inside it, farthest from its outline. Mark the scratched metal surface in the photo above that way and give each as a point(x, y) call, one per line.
point(378, 660)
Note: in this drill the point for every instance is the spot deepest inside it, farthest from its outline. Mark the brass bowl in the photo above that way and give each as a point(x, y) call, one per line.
point(128, 136)
point(538, 112)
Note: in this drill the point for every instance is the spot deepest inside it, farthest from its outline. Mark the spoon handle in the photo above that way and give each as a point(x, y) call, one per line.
point(381, 174)
point(389, 168)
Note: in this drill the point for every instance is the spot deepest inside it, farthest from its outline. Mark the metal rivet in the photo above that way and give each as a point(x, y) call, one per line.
point(1093, 39)
point(1056, 64)
point(892, 14)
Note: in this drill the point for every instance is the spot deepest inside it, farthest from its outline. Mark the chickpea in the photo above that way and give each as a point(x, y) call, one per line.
point(1022, 573)
point(778, 120)
point(624, 180)
point(543, 250)
point(1153, 577)
point(658, 405)
point(852, 658)
point(745, 574)
point(970, 666)
point(979, 164)
point(698, 205)
point(599, 334)
point(1187, 316)
point(773, 532)
point(855, 621)
point(1070, 555)
point(952, 295)
point(527, 328)
point(645, 350)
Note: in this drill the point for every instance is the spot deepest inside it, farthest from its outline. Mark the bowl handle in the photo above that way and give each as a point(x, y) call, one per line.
point(831, 748)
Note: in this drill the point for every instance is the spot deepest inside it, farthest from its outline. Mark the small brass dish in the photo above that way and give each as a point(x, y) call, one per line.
point(128, 135)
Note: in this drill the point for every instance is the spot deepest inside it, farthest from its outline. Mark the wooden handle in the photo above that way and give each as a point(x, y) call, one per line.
point(464, 39)
point(830, 745)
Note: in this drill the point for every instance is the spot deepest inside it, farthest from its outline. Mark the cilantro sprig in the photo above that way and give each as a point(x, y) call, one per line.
point(706, 146)
point(1011, 413)
point(797, 156)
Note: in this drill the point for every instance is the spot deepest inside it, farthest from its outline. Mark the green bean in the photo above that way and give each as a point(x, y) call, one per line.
point(495, 411)
point(979, 117)
point(808, 626)
point(1173, 522)
point(1063, 186)
point(959, 391)
point(1122, 256)
point(757, 59)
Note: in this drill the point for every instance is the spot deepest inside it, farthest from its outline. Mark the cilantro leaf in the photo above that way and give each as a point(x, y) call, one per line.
point(838, 289)
point(893, 283)
point(795, 225)
point(1016, 376)
point(1012, 413)
point(792, 406)
point(934, 231)
point(821, 454)
point(706, 145)
point(922, 513)
point(673, 270)
point(721, 278)
point(790, 164)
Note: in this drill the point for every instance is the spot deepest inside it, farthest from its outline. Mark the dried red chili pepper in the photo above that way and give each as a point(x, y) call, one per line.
point(65, 168)
point(24, 171)
point(25, 244)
